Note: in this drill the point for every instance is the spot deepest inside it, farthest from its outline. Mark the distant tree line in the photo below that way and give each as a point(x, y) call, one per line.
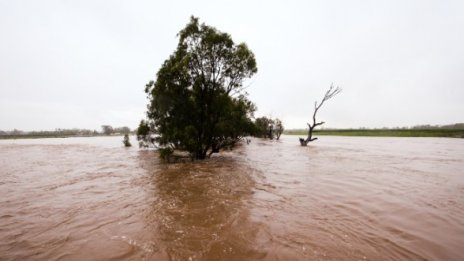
point(106, 130)
point(56, 132)
point(456, 126)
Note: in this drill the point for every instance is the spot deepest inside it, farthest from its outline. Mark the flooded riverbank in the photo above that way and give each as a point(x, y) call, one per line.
point(338, 199)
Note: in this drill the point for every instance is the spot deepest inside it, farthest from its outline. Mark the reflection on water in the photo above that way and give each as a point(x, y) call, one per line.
point(340, 198)
point(200, 211)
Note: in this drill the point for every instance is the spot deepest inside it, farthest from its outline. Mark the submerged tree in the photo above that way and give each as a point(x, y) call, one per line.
point(278, 128)
point(264, 128)
point(197, 102)
point(126, 140)
point(268, 128)
point(330, 93)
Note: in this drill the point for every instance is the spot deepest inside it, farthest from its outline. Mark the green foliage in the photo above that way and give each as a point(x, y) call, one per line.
point(268, 128)
point(126, 141)
point(143, 130)
point(143, 134)
point(264, 127)
point(197, 102)
point(166, 153)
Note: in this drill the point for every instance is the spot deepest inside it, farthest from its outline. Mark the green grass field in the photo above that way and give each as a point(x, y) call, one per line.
point(450, 133)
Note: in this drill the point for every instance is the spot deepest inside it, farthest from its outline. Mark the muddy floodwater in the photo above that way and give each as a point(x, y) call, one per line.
point(340, 198)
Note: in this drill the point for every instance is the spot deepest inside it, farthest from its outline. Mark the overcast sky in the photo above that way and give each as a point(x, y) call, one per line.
point(66, 64)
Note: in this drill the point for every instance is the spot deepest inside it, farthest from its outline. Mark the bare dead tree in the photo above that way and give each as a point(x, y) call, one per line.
point(330, 93)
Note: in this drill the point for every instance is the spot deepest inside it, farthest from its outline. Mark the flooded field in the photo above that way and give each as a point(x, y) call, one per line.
point(338, 199)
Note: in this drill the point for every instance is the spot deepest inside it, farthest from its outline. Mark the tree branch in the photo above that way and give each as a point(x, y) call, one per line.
point(330, 93)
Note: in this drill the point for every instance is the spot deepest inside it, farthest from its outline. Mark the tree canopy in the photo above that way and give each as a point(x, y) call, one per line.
point(268, 128)
point(197, 102)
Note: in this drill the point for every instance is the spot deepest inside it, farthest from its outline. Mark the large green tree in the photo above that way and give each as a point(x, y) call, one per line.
point(197, 102)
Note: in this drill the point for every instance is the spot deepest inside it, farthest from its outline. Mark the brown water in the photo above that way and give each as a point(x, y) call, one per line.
point(338, 199)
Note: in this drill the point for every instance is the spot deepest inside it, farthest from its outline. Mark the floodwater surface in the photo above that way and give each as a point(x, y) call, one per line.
point(341, 198)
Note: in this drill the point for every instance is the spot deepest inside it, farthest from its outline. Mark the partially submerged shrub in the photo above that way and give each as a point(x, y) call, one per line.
point(126, 141)
point(268, 128)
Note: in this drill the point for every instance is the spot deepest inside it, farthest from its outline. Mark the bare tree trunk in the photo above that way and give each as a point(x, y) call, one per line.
point(329, 94)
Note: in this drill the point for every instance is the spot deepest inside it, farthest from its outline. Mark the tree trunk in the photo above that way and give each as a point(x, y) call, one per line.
point(328, 95)
point(304, 142)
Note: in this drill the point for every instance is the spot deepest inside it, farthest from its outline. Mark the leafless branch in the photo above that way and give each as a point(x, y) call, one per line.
point(330, 93)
